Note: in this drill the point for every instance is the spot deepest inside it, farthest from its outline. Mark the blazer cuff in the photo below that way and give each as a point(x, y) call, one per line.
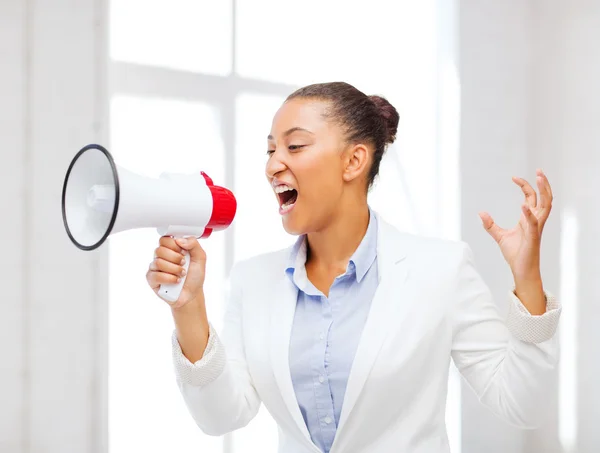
point(529, 328)
point(205, 370)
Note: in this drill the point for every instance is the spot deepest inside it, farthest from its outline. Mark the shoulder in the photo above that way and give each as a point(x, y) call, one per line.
point(429, 258)
point(436, 265)
point(422, 247)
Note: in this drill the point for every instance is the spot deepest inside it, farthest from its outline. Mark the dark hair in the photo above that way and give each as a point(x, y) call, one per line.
point(364, 118)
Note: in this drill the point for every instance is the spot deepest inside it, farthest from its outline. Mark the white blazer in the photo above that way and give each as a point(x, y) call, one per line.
point(431, 305)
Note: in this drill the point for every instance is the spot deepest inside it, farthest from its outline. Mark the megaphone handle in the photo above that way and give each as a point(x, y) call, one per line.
point(171, 291)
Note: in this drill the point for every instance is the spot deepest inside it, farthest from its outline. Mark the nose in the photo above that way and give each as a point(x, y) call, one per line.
point(274, 165)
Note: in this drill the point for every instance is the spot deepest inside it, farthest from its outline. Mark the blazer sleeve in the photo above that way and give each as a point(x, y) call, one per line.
point(509, 364)
point(218, 389)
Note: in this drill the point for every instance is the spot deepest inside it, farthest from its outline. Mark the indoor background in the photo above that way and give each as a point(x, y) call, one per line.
point(485, 89)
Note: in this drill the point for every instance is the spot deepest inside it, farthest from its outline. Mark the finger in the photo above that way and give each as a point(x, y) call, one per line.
point(156, 278)
point(545, 190)
point(532, 220)
point(191, 244)
point(530, 194)
point(166, 266)
point(490, 226)
point(169, 242)
point(169, 255)
point(151, 280)
point(543, 175)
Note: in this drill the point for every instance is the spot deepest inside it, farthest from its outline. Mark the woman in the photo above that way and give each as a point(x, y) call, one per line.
point(346, 337)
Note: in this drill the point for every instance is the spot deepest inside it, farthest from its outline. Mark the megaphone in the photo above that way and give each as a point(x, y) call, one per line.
point(99, 198)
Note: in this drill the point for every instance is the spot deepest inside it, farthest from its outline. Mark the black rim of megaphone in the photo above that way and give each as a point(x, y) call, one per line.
point(117, 191)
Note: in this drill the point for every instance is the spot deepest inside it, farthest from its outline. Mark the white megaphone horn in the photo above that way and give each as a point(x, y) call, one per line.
point(99, 198)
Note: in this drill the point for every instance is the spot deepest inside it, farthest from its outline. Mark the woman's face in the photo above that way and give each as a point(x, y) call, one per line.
point(307, 165)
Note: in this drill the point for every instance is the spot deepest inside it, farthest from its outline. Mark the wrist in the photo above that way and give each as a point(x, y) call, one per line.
point(529, 283)
point(531, 294)
point(193, 329)
point(194, 306)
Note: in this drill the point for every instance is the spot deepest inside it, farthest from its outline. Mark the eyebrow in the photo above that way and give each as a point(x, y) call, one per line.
point(291, 131)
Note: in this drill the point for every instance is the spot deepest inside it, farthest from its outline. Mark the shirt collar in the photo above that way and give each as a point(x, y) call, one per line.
point(362, 259)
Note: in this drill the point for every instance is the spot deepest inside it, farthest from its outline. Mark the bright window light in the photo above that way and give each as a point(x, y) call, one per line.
point(146, 411)
point(567, 386)
point(188, 35)
point(258, 223)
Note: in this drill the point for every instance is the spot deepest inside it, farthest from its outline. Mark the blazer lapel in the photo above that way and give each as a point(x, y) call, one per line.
point(283, 306)
point(393, 269)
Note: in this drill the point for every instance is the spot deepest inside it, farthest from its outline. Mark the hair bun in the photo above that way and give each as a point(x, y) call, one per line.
point(390, 115)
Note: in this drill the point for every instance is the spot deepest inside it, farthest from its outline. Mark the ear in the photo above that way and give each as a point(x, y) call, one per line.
point(356, 162)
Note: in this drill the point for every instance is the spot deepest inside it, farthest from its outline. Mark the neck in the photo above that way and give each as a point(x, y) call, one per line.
point(333, 246)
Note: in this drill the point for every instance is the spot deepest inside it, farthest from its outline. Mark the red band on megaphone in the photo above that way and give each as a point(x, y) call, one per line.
point(224, 208)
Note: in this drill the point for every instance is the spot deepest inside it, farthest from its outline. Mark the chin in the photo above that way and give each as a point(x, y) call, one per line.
point(291, 225)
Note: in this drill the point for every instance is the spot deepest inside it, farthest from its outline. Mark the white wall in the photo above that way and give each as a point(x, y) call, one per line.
point(580, 161)
point(53, 311)
point(529, 80)
point(495, 109)
point(14, 263)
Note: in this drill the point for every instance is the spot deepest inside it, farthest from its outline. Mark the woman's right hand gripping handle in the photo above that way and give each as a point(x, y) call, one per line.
point(189, 310)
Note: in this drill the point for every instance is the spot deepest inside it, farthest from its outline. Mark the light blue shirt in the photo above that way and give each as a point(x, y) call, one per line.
point(326, 332)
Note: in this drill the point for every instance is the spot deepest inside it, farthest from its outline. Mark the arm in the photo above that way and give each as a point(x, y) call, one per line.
point(192, 327)
point(217, 388)
point(508, 365)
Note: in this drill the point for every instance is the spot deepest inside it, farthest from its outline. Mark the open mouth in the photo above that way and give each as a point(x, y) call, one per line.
point(287, 196)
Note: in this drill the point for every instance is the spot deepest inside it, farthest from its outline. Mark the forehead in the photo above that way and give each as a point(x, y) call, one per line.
point(303, 113)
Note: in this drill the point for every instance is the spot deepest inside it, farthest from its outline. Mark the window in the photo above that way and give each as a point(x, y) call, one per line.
point(150, 136)
point(194, 86)
point(186, 35)
point(258, 218)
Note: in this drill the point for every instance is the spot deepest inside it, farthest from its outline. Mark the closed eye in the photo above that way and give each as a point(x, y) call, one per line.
point(291, 148)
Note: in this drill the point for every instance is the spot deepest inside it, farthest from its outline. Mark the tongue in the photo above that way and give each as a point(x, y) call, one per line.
point(291, 198)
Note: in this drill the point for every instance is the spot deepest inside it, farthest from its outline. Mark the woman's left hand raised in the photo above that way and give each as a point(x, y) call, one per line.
point(520, 245)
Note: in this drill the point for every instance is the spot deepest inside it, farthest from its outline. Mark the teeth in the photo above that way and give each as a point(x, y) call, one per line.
point(282, 188)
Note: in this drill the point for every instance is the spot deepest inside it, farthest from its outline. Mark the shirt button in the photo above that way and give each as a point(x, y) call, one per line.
point(322, 336)
point(321, 379)
point(327, 420)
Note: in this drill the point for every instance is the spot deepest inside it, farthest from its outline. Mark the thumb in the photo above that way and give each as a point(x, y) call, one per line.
point(490, 226)
point(194, 248)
